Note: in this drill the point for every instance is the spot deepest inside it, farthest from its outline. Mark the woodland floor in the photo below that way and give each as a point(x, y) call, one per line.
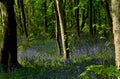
point(40, 60)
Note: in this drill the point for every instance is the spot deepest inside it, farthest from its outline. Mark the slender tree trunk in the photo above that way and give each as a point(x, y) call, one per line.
point(24, 18)
point(9, 41)
point(77, 19)
point(95, 22)
point(45, 15)
point(23, 23)
point(99, 20)
point(90, 18)
point(24, 27)
point(66, 55)
point(62, 28)
point(116, 30)
point(19, 19)
point(26, 7)
point(57, 30)
point(83, 19)
point(108, 16)
point(72, 14)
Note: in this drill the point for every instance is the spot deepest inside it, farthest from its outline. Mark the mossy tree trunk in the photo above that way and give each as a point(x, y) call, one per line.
point(8, 52)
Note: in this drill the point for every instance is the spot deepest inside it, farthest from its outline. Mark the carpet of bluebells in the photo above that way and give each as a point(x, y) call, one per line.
point(40, 61)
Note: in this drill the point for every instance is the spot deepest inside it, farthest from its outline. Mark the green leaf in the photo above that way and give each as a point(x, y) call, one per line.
point(75, 8)
point(84, 73)
point(117, 74)
point(97, 69)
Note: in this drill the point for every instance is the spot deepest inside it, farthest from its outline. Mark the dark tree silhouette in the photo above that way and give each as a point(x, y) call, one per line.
point(90, 18)
point(8, 52)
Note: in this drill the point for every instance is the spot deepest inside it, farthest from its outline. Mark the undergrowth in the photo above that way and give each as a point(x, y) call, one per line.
point(40, 61)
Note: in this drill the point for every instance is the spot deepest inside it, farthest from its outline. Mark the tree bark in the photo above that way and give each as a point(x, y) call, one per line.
point(9, 39)
point(116, 30)
point(62, 28)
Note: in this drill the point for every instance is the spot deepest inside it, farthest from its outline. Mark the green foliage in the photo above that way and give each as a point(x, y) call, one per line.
point(34, 10)
point(101, 70)
point(103, 32)
point(70, 42)
point(45, 64)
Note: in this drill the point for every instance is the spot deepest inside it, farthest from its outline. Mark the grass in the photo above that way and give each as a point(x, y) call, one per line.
point(40, 60)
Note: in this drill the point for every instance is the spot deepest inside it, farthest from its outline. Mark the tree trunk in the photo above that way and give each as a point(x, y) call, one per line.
point(45, 15)
point(9, 39)
point(24, 19)
point(62, 28)
point(77, 19)
point(108, 16)
point(57, 30)
point(19, 19)
point(95, 31)
point(99, 20)
point(71, 14)
point(90, 19)
point(116, 30)
point(21, 7)
point(83, 18)
point(23, 24)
